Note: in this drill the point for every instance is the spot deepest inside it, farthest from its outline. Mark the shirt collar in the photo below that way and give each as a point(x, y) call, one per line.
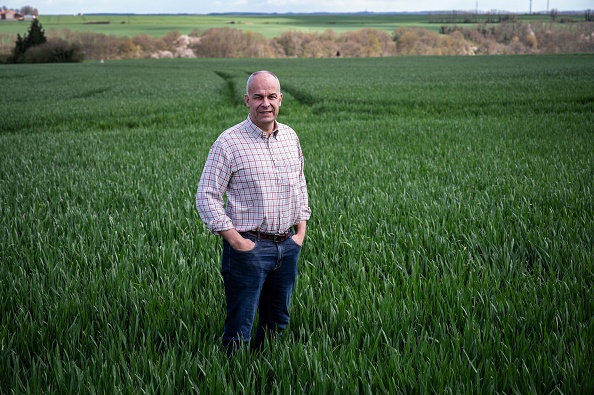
point(257, 132)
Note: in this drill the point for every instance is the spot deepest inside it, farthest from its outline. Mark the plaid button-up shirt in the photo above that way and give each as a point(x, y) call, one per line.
point(262, 178)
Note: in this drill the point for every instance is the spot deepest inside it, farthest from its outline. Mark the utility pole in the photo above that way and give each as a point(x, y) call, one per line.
point(530, 7)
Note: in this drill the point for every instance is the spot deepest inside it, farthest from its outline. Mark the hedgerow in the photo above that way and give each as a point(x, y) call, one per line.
point(511, 37)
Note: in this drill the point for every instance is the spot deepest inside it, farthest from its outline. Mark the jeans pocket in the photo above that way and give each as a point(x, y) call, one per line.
point(246, 251)
point(290, 239)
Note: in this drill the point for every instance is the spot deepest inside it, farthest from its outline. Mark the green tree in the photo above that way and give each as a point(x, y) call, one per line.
point(19, 48)
point(35, 36)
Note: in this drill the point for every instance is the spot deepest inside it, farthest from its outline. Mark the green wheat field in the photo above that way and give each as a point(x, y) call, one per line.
point(450, 248)
point(269, 25)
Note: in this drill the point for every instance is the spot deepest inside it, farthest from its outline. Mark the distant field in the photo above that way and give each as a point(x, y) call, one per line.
point(451, 247)
point(268, 25)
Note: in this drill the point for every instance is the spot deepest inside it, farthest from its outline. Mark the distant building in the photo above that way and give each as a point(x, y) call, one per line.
point(7, 15)
point(10, 15)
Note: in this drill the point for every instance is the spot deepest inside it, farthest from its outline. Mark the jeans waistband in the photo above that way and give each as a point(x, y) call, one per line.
point(275, 237)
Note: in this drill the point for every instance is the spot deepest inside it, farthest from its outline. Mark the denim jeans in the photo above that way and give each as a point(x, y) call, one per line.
point(261, 280)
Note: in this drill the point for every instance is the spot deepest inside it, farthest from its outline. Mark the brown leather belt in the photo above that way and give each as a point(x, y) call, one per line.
point(277, 238)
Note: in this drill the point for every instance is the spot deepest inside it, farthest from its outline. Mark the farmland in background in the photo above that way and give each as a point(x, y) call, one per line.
point(307, 36)
point(450, 247)
point(268, 25)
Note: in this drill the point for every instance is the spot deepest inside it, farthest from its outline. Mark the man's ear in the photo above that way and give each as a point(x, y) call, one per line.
point(246, 100)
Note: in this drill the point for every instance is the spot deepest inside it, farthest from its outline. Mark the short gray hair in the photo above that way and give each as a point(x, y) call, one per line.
point(249, 81)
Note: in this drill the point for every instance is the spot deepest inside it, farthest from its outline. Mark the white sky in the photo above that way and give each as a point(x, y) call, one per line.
point(209, 6)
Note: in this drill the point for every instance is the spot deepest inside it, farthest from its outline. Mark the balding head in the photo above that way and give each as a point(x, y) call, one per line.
point(258, 73)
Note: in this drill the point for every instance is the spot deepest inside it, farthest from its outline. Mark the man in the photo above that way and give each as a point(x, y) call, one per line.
point(258, 164)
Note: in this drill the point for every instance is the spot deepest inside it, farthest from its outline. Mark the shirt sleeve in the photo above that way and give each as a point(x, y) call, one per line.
point(305, 213)
point(211, 188)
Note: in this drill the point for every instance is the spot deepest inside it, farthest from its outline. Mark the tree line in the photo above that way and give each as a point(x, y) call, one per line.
point(511, 37)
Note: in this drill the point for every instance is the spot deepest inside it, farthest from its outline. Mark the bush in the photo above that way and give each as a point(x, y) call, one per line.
point(233, 43)
point(296, 44)
point(366, 43)
point(412, 41)
point(55, 51)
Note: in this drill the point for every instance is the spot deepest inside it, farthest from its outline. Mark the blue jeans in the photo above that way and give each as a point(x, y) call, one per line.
point(262, 280)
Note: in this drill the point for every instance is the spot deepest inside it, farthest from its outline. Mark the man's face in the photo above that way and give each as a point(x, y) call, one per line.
point(264, 99)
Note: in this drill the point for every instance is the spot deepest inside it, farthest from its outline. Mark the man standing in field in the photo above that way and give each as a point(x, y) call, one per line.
point(258, 164)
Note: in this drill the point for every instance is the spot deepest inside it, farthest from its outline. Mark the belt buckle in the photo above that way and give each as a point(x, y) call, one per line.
point(279, 238)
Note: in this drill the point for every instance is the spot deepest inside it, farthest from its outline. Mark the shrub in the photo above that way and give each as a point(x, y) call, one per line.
point(127, 49)
point(233, 43)
point(296, 44)
point(416, 41)
point(55, 51)
point(148, 44)
point(366, 43)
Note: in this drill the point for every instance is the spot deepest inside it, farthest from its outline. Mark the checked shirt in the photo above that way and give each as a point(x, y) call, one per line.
point(261, 177)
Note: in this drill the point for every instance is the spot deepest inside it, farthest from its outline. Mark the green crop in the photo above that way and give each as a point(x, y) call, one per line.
point(450, 247)
point(268, 25)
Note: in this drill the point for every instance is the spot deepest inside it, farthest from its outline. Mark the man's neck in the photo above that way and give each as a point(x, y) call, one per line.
point(268, 128)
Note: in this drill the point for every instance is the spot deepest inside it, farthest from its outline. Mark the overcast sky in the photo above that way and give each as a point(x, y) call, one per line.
point(281, 6)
